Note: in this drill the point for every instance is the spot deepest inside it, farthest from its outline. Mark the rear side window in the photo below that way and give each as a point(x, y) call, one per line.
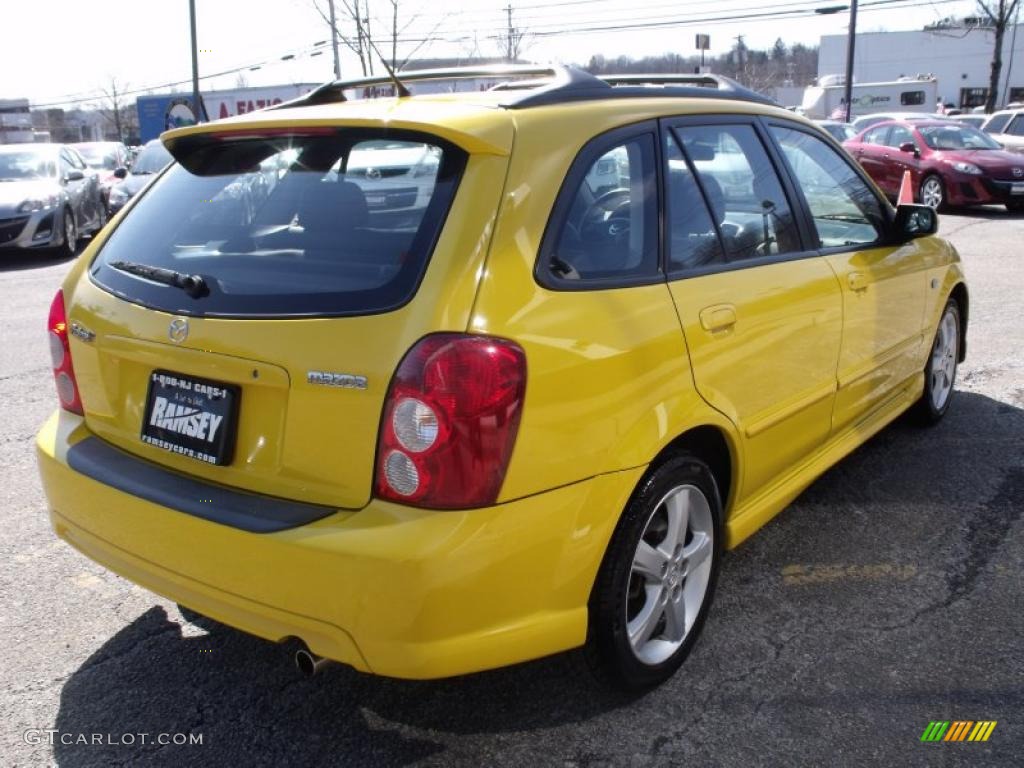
point(743, 190)
point(912, 98)
point(325, 223)
point(876, 135)
point(693, 237)
point(607, 218)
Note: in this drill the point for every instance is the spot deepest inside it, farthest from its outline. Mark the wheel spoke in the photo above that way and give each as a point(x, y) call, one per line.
point(698, 551)
point(675, 618)
point(642, 626)
point(677, 507)
point(649, 562)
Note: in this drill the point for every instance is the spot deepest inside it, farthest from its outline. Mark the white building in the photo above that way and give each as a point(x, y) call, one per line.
point(960, 57)
point(15, 121)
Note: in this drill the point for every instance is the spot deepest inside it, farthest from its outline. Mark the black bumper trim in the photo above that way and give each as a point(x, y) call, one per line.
point(251, 512)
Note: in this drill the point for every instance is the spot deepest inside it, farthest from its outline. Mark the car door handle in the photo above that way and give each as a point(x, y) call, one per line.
point(858, 281)
point(718, 317)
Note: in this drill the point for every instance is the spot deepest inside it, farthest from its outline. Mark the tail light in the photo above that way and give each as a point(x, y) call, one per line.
point(60, 355)
point(450, 422)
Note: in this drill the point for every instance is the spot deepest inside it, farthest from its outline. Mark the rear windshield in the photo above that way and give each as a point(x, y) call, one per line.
point(331, 222)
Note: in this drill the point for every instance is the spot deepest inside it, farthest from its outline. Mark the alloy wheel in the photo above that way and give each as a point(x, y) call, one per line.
point(670, 573)
point(943, 363)
point(931, 192)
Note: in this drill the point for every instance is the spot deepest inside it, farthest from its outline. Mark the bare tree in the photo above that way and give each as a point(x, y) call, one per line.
point(366, 45)
point(118, 111)
point(999, 13)
point(353, 12)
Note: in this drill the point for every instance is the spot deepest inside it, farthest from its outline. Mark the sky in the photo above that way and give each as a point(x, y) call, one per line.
point(65, 51)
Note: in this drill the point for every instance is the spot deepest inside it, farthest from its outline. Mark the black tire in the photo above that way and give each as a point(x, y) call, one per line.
point(925, 193)
point(608, 651)
point(102, 216)
point(931, 407)
point(1015, 206)
point(69, 236)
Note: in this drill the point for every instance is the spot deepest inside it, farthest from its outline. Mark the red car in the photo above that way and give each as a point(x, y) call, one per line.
point(949, 164)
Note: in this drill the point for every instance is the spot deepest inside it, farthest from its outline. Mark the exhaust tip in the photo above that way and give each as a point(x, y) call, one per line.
point(305, 662)
point(308, 663)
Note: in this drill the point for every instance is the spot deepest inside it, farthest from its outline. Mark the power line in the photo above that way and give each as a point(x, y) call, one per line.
point(782, 11)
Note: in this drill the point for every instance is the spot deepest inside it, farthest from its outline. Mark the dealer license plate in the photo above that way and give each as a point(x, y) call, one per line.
point(191, 417)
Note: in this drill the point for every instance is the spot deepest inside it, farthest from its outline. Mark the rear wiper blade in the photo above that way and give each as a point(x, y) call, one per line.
point(194, 285)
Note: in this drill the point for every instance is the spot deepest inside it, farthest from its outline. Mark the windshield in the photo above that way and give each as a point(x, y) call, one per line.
point(21, 165)
point(956, 137)
point(274, 231)
point(99, 158)
point(151, 159)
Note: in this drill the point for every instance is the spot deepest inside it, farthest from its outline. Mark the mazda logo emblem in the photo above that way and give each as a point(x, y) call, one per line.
point(372, 173)
point(178, 331)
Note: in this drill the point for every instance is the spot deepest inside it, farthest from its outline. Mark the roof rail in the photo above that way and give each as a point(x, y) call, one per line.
point(701, 86)
point(334, 91)
point(532, 86)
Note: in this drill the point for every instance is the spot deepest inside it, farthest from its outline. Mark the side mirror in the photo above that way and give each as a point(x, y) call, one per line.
point(121, 173)
point(910, 147)
point(914, 221)
point(74, 175)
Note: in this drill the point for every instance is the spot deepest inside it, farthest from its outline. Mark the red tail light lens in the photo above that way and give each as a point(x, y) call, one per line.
point(450, 422)
point(60, 355)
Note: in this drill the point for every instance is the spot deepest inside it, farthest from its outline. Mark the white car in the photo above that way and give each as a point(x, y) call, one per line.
point(866, 121)
point(1007, 127)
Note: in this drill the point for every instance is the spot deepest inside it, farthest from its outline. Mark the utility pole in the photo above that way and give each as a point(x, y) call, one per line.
point(509, 33)
point(334, 41)
point(849, 58)
point(740, 63)
point(197, 105)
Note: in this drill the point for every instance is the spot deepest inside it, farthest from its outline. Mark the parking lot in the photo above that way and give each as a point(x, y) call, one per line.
point(887, 596)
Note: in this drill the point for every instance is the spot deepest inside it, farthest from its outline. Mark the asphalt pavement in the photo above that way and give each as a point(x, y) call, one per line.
point(889, 595)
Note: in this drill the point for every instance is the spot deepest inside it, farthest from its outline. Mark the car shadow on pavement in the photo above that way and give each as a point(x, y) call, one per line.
point(17, 261)
point(250, 706)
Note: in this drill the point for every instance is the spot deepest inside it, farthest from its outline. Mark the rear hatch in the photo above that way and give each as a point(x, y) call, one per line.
point(263, 304)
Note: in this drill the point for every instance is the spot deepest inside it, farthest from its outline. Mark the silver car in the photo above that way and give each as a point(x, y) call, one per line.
point(48, 198)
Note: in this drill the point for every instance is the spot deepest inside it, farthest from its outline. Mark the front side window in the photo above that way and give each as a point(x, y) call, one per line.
point(743, 190)
point(609, 230)
point(845, 211)
point(324, 223)
point(900, 135)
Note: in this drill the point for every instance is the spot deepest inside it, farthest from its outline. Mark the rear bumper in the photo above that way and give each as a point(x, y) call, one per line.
point(388, 589)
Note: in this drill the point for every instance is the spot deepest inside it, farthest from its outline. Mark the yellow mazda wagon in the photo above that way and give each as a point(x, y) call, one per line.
point(441, 382)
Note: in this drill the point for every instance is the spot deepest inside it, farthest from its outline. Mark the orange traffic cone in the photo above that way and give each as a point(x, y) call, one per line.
point(906, 191)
